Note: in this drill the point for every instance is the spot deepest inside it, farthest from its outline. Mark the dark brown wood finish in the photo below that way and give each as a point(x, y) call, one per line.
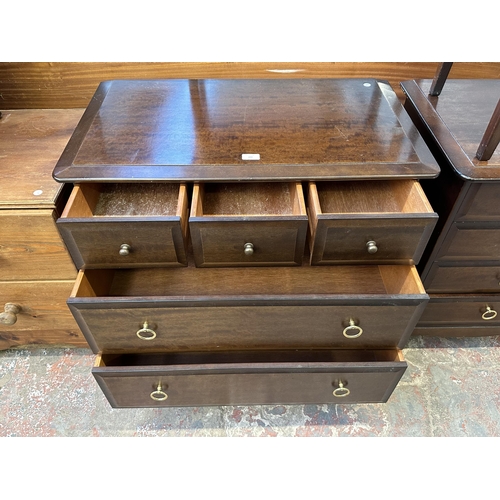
point(126, 225)
point(281, 377)
point(302, 129)
point(491, 136)
point(440, 78)
point(379, 222)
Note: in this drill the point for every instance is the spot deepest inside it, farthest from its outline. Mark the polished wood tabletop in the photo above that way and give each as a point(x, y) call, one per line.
point(456, 120)
point(311, 129)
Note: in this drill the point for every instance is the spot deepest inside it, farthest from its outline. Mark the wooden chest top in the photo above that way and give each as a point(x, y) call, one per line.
point(294, 129)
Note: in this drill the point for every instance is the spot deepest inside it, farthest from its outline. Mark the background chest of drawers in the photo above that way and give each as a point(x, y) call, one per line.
point(207, 279)
point(36, 271)
point(461, 267)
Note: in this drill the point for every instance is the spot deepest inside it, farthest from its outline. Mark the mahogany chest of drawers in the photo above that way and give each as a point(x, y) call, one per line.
point(246, 241)
point(461, 266)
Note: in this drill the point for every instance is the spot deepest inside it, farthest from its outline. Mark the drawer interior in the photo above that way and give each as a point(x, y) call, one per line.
point(126, 200)
point(267, 358)
point(236, 199)
point(362, 197)
point(247, 281)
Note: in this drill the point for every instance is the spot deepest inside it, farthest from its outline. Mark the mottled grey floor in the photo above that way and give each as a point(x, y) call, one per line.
point(451, 388)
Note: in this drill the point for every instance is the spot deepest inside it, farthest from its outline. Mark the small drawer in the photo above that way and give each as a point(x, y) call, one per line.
point(444, 278)
point(126, 225)
point(453, 310)
point(382, 222)
point(482, 203)
point(248, 224)
point(248, 378)
point(147, 310)
point(472, 241)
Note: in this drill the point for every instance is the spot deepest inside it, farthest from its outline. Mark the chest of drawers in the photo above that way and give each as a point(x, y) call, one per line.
point(36, 271)
point(461, 267)
point(246, 241)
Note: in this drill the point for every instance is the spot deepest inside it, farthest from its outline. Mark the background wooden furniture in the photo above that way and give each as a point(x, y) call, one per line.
point(461, 266)
point(36, 271)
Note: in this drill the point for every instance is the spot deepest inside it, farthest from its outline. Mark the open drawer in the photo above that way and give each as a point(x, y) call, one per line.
point(218, 309)
point(126, 225)
point(248, 378)
point(376, 222)
point(248, 224)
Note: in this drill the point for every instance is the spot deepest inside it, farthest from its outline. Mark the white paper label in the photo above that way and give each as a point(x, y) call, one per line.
point(250, 156)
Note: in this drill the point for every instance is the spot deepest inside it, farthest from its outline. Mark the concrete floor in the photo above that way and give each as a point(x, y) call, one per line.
point(451, 388)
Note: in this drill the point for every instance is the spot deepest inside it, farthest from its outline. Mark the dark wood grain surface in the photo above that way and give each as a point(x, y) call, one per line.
point(200, 129)
point(456, 121)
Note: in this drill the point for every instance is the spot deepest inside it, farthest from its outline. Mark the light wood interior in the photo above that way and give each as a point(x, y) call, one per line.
point(126, 200)
point(371, 197)
point(242, 199)
point(263, 358)
point(247, 281)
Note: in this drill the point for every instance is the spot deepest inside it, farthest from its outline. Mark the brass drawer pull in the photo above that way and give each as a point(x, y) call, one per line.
point(9, 317)
point(489, 314)
point(248, 249)
point(341, 391)
point(159, 394)
point(125, 250)
point(371, 246)
point(146, 333)
point(355, 330)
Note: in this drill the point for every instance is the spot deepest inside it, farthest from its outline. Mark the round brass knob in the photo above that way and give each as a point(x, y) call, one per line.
point(159, 394)
point(352, 331)
point(341, 391)
point(371, 246)
point(489, 314)
point(248, 249)
point(9, 316)
point(145, 333)
point(125, 250)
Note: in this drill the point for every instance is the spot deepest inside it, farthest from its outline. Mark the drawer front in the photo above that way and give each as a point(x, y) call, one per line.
point(482, 202)
point(472, 241)
point(249, 383)
point(123, 244)
point(248, 327)
point(35, 312)
point(371, 240)
point(463, 279)
point(457, 331)
point(450, 311)
point(31, 247)
point(248, 242)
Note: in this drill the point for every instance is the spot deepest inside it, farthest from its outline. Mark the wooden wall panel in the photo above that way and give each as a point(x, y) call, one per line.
point(71, 85)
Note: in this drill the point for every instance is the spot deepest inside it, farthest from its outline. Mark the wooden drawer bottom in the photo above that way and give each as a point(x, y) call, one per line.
point(457, 331)
point(248, 378)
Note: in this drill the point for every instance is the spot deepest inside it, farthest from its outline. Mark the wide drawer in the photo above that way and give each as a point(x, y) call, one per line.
point(465, 310)
point(249, 378)
point(465, 278)
point(126, 225)
point(35, 312)
point(247, 308)
point(248, 224)
point(31, 248)
point(472, 241)
point(376, 222)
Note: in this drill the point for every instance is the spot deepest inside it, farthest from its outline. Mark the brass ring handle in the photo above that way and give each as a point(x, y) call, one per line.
point(371, 246)
point(356, 330)
point(150, 334)
point(341, 391)
point(489, 314)
point(125, 250)
point(248, 248)
point(9, 316)
point(159, 395)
